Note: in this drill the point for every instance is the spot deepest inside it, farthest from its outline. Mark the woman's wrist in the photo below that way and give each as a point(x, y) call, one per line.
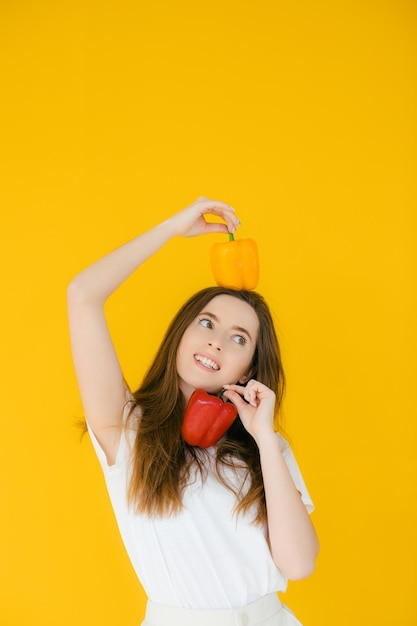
point(265, 438)
point(167, 229)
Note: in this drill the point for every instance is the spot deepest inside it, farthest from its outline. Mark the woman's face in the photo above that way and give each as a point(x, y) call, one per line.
point(218, 346)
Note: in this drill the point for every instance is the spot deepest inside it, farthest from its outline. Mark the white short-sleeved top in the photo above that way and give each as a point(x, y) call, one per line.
point(205, 557)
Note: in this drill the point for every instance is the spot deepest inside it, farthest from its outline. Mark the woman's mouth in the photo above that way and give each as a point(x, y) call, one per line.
point(208, 363)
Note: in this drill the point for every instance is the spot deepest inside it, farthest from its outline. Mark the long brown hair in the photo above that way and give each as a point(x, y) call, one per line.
point(162, 460)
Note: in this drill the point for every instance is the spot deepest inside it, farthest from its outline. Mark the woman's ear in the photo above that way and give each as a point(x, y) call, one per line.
point(249, 374)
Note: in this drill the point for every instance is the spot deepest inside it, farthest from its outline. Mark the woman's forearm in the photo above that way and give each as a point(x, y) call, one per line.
point(98, 281)
point(293, 541)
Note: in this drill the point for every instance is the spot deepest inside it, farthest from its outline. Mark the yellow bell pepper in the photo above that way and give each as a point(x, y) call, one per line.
point(235, 263)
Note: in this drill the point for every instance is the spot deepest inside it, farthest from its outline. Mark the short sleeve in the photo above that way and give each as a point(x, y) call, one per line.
point(127, 437)
point(296, 475)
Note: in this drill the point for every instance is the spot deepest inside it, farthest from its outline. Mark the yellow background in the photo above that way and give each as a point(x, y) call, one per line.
point(301, 115)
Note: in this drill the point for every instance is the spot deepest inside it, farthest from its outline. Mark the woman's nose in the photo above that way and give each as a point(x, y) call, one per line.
point(215, 344)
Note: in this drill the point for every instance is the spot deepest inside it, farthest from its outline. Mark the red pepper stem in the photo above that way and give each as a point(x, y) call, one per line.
point(231, 237)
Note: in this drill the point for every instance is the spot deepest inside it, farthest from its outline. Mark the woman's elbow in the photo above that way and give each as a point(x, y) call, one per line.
point(74, 293)
point(301, 570)
point(298, 568)
point(79, 292)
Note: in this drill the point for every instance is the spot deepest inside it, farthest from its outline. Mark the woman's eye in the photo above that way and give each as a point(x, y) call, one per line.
point(206, 323)
point(240, 340)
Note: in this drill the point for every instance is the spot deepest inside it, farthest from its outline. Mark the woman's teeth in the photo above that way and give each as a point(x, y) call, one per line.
point(206, 362)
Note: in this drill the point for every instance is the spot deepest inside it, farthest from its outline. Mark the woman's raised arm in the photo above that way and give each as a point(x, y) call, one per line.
point(98, 371)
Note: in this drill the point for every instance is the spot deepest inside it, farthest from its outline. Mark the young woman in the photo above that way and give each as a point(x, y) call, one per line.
point(212, 533)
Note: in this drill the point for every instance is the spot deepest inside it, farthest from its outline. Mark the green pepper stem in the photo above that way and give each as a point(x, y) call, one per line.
point(231, 237)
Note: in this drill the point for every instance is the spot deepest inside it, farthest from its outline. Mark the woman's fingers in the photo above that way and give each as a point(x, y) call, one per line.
point(255, 404)
point(254, 392)
point(213, 205)
point(191, 221)
point(247, 394)
point(234, 393)
point(220, 209)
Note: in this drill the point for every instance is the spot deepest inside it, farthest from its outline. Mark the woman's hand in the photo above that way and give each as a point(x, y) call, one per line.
point(256, 406)
point(190, 222)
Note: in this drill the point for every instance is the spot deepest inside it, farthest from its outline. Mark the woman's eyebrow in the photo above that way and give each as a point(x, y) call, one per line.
point(213, 317)
point(242, 330)
point(216, 319)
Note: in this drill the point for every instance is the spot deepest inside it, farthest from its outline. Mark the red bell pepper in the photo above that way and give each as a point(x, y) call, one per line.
point(206, 419)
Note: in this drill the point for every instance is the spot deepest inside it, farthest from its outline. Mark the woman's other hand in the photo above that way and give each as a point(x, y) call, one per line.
point(255, 403)
point(190, 222)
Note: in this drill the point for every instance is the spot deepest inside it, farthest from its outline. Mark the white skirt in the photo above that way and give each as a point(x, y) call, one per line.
point(267, 611)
